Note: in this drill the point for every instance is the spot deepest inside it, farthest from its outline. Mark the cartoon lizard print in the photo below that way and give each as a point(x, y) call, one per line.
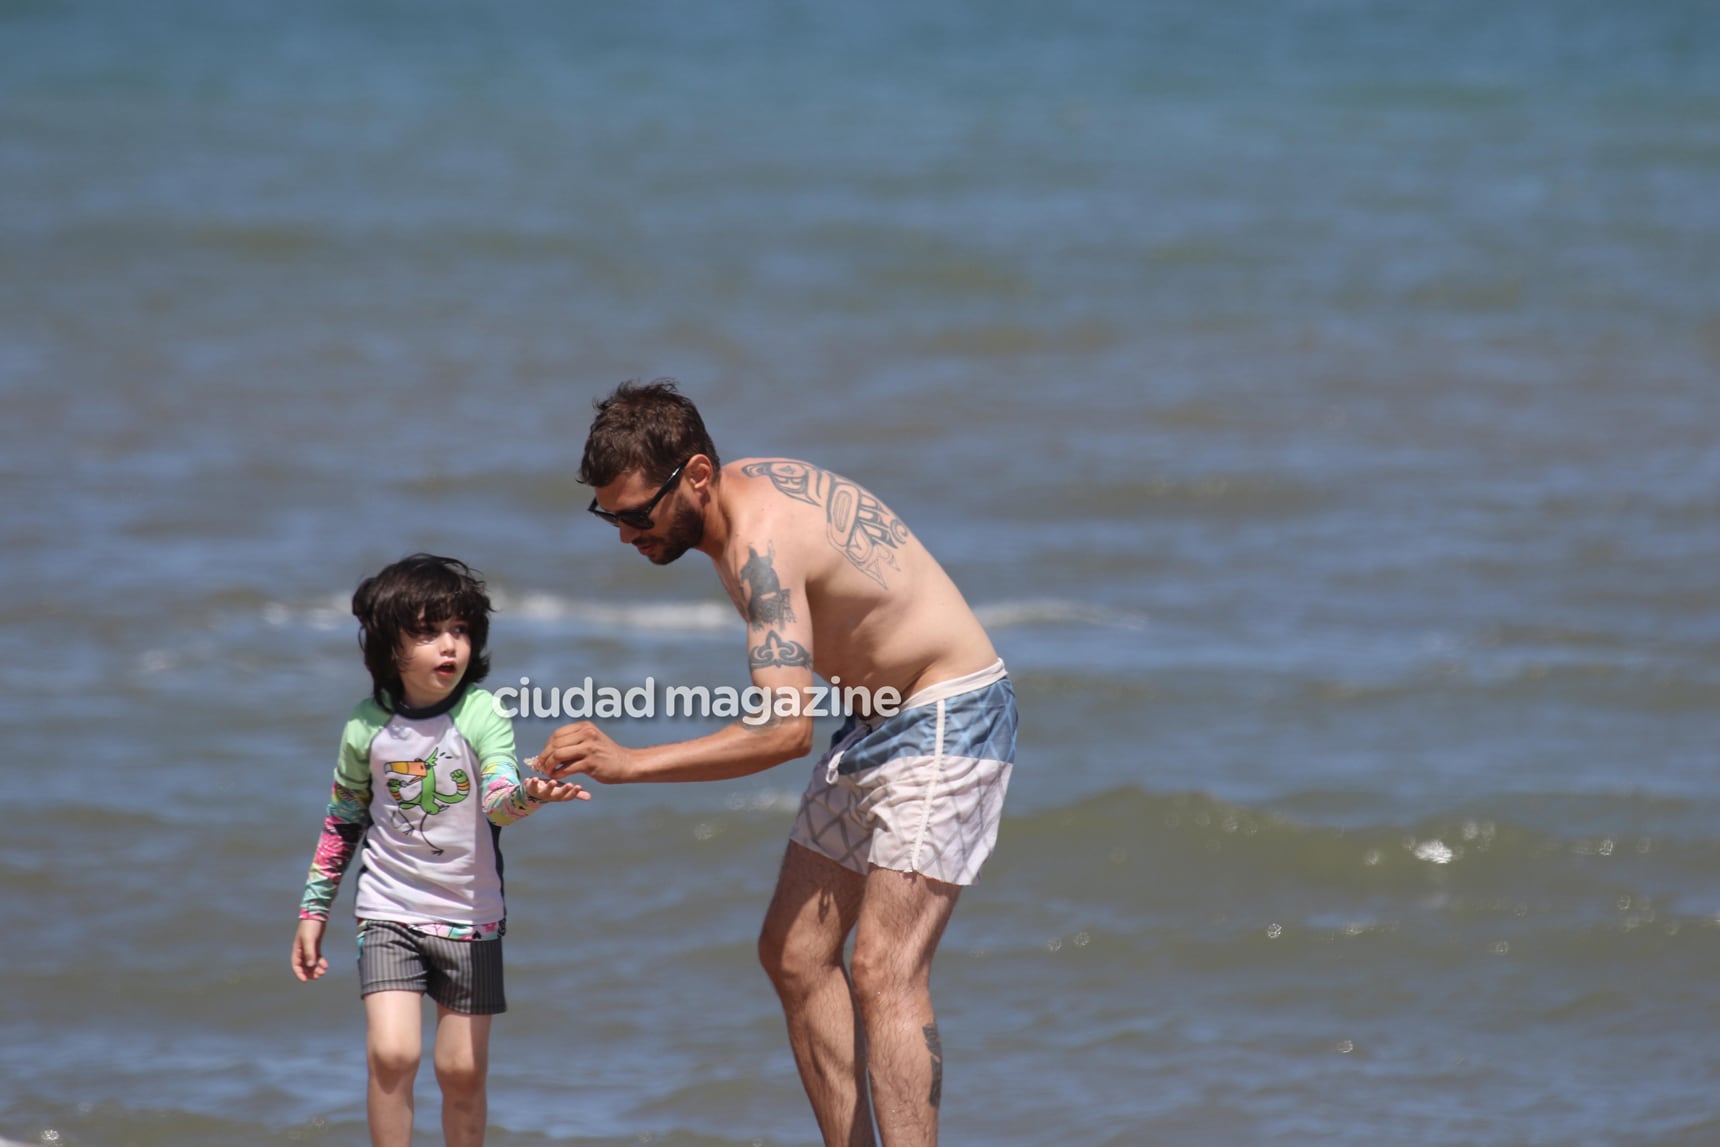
point(427, 799)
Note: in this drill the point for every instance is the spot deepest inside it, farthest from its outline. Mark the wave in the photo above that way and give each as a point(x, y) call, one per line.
point(1649, 850)
point(1137, 855)
point(1127, 858)
point(657, 616)
point(277, 240)
point(1054, 611)
point(1223, 496)
point(693, 616)
point(1187, 882)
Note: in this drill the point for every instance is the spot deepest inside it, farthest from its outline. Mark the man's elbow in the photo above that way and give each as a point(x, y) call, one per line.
point(802, 742)
point(790, 738)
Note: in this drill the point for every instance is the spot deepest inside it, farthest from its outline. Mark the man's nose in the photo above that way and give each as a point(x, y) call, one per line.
point(629, 535)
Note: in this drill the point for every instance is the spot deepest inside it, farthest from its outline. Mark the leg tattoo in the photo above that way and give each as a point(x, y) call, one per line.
point(936, 1047)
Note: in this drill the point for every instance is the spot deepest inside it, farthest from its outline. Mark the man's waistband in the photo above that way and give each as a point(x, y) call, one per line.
point(956, 686)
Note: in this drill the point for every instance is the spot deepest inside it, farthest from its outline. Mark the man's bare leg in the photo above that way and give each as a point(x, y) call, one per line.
point(392, 1047)
point(902, 918)
point(462, 1070)
point(816, 904)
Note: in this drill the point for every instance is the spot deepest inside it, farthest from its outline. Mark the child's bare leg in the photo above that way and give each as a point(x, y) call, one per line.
point(392, 1046)
point(462, 1066)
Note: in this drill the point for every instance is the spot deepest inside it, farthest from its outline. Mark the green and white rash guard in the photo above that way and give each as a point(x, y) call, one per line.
point(421, 797)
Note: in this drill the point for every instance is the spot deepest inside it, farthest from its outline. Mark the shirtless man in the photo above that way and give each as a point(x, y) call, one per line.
point(902, 810)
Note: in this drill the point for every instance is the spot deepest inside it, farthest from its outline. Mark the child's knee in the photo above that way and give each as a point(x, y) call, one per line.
point(392, 1063)
point(461, 1076)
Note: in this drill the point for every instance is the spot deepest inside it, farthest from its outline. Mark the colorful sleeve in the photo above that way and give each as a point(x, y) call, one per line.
point(348, 817)
point(492, 739)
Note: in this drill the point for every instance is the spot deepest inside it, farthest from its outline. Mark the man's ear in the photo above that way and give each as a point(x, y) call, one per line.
point(699, 472)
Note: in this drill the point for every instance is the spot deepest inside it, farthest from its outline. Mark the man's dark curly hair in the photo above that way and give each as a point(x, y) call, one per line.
point(649, 426)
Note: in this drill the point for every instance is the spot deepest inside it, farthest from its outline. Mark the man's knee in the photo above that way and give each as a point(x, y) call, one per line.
point(771, 947)
point(882, 972)
point(808, 921)
point(787, 956)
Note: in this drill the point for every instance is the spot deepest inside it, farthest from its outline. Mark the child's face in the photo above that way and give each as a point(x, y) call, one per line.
point(433, 659)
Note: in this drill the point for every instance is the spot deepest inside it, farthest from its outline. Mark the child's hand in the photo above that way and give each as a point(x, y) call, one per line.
point(308, 961)
point(548, 791)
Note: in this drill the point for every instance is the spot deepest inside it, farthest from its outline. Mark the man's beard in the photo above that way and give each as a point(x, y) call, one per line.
point(686, 530)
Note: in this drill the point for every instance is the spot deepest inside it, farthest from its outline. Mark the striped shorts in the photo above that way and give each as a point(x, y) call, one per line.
point(464, 976)
point(921, 791)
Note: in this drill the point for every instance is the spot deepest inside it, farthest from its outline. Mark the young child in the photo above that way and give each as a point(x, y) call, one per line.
point(427, 777)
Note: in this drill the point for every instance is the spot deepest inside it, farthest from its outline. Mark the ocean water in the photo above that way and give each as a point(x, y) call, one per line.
point(1320, 401)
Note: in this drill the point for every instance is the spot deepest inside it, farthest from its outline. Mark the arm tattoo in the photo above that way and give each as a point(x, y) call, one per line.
point(936, 1047)
point(767, 603)
point(862, 528)
point(775, 651)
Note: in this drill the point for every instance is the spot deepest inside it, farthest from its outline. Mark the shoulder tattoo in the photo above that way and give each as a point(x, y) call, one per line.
point(862, 528)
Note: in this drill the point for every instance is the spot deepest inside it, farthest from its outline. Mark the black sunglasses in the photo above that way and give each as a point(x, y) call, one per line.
point(639, 519)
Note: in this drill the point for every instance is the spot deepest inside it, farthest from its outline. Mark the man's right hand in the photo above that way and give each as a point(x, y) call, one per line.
point(584, 748)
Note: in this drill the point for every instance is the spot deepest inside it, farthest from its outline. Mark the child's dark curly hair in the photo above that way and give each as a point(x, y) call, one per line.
point(416, 591)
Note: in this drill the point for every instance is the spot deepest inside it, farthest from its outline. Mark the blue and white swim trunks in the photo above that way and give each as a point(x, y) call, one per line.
point(921, 791)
